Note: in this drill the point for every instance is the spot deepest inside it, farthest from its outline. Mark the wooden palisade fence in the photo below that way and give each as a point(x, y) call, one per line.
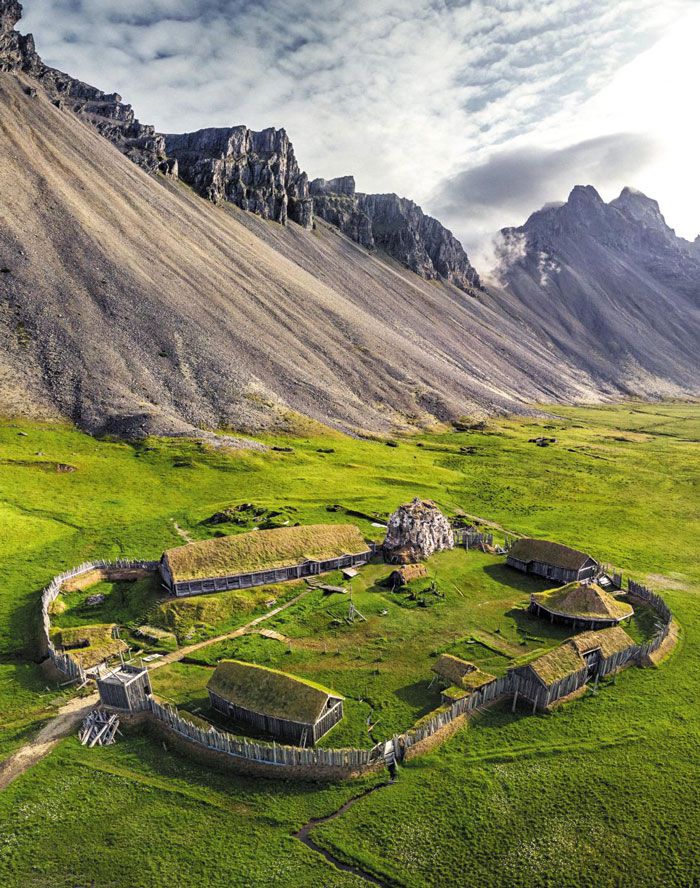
point(357, 760)
point(63, 661)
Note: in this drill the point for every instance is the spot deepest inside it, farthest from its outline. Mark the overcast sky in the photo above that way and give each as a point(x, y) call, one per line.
point(480, 111)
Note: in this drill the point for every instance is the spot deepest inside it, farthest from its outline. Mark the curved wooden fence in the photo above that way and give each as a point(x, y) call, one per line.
point(355, 760)
point(61, 660)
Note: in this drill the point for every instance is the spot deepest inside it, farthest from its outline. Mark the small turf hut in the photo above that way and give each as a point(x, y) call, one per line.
point(262, 556)
point(286, 707)
point(459, 677)
point(582, 605)
point(552, 560)
point(403, 575)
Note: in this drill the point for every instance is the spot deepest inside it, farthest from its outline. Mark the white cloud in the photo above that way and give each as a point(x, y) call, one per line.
point(401, 93)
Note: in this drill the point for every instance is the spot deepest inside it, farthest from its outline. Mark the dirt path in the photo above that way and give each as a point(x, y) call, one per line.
point(303, 836)
point(63, 724)
point(70, 715)
point(236, 633)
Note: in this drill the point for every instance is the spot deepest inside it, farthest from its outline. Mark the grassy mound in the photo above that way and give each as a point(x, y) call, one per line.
point(184, 616)
point(89, 645)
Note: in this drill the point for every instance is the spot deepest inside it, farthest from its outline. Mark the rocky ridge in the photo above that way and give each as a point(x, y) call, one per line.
point(111, 117)
point(612, 286)
point(397, 226)
point(415, 531)
point(256, 171)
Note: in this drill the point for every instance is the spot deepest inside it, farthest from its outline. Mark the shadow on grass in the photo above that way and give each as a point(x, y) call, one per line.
point(516, 579)
point(533, 628)
point(420, 695)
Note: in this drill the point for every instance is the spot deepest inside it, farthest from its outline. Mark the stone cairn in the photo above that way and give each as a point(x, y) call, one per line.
point(415, 531)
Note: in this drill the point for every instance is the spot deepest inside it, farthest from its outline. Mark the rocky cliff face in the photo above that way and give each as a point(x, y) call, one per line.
point(399, 227)
point(415, 531)
point(114, 120)
point(257, 171)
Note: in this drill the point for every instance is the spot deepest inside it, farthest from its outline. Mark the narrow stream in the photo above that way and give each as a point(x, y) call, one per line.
point(303, 836)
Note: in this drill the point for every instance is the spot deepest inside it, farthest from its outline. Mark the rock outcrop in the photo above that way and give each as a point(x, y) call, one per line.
point(397, 226)
point(415, 531)
point(256, 171)
point(112, 118)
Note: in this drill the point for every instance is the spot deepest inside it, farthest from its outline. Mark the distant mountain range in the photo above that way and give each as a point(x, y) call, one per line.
point(130, 305)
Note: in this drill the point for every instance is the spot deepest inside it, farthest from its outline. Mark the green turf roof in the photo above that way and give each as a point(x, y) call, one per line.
point(610, 641)
point(263, 550)
point(460, 673)
point(270, 691)
point(587, 601)
point(557, 663)
point(549, 553)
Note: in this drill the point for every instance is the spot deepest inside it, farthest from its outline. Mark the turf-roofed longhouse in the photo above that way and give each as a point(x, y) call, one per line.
point(567, 668)
point(286, 707)
point(262, 556)
point(552, 560)
point(583, 605)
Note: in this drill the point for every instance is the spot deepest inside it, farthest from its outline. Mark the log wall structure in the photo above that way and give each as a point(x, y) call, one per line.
point(62, 661)
point(277, 760)
point(309, 568)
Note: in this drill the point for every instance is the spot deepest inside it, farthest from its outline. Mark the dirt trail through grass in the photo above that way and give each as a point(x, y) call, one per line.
point(167, 659)
point(303, 836)
point(70, 715)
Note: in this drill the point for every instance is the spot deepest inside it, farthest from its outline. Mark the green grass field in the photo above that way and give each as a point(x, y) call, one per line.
point(600, 793)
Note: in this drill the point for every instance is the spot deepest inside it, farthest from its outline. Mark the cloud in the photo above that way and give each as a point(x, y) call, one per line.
point(513, 183)
point(400, 93)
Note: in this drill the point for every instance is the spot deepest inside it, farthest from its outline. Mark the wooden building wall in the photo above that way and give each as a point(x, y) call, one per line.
point(259, 578)
point(293, 732)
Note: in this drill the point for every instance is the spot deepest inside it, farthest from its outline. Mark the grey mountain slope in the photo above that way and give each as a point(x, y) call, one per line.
point(130, 305)
point(611, 287)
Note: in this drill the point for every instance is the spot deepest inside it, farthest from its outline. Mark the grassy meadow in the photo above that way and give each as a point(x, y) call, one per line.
point(601, 792)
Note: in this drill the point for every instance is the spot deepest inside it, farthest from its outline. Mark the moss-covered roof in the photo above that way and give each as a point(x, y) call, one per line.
point(557, 663)
point(585, 600)
point(610, 641)
point(89, 645)
point(549, 553)
point(263, 550)
point(568, 657)
point(460, 673)
point(269, 691)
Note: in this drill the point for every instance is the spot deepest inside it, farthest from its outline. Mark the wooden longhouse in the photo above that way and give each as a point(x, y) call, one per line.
point(552, 561)
point(264, 556)
point(288, 708)
point(568, 667)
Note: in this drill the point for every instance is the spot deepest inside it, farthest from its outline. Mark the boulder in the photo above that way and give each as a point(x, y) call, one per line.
point(415, 531)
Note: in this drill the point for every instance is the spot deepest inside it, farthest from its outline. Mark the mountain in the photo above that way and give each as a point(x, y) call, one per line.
point(612, 287)
point(399, 227)
point(131, 305)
